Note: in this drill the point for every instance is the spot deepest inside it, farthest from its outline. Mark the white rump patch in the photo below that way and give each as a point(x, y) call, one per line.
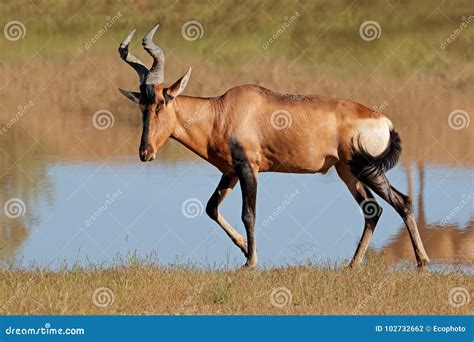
point(373, 135)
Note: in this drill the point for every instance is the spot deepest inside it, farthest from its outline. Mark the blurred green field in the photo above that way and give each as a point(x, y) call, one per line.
point(234, 32)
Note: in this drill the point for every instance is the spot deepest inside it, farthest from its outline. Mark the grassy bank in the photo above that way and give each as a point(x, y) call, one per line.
point(300, 290)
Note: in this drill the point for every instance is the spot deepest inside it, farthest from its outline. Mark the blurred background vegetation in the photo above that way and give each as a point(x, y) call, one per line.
point(234, 31)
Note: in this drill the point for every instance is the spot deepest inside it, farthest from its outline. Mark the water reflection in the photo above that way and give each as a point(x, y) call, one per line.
point(446, 240)
point(23, 181)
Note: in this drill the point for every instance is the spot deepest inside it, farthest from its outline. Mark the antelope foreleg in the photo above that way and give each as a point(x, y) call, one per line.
point(224, 188)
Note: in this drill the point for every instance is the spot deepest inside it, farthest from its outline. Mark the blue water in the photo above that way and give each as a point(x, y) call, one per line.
point(318, 220)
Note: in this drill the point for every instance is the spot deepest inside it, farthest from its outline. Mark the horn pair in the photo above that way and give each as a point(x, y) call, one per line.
point(156, 73)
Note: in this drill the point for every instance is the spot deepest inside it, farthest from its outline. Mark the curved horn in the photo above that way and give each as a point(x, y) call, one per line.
point(139, 67)
point(156, 75)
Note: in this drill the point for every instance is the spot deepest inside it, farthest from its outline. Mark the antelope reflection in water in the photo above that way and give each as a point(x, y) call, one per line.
point(448, 243)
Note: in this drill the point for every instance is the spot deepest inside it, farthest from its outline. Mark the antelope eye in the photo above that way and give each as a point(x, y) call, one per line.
point(159, 107)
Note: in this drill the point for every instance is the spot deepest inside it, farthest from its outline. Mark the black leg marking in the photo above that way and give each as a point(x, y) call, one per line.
point(248, 184)
point(369, 206)
point(402, 204)
point(372, 212)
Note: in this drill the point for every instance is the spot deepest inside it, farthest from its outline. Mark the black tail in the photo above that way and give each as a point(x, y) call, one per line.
point(365, 166)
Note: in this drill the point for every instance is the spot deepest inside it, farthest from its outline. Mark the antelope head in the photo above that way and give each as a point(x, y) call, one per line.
point(155, 101)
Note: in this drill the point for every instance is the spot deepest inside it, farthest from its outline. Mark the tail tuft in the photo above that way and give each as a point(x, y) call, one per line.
point(365, 166)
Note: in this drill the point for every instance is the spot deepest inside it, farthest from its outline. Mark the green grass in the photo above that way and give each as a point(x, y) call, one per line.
point(234, 32)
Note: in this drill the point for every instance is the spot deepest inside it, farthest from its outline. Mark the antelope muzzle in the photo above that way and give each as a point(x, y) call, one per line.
point(147, 153)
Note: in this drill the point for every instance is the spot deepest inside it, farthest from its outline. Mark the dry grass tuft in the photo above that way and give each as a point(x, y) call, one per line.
point(145, 288)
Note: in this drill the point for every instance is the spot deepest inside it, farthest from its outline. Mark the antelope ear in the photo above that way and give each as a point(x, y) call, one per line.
point(178, 86)
point(131, 95)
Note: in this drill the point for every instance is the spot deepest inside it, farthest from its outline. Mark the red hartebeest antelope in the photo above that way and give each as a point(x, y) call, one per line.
point(241, 133)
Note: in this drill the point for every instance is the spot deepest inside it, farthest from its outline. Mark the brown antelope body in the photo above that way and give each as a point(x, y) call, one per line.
point(251, 129)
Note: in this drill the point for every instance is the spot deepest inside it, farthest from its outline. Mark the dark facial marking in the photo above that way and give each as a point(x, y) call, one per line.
point(147, 94)
point(147, 99)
